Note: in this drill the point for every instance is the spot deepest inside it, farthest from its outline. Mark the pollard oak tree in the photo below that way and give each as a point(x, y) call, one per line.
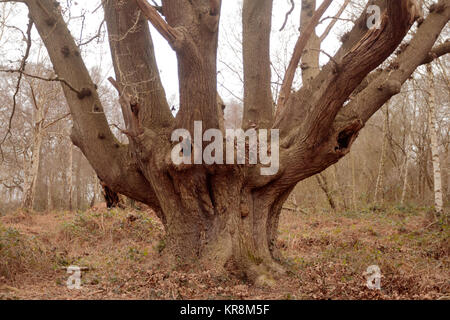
point(215, 214)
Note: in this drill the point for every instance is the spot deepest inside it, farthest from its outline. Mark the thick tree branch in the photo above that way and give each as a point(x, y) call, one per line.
point(371, 51)
point(258, 102)
point(134, 62)
point(375, 47)
point(196, 48)
point(437, 52)
point(389, 81)
point(359, 29)
point(170, 34)
point(310, 143)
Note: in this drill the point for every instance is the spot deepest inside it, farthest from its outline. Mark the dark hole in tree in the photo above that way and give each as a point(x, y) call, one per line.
point(344, 139)
point(135, 108)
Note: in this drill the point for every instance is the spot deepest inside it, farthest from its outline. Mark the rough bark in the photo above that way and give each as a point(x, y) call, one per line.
point(258, 102)
point(310, 67)
point(134, 61)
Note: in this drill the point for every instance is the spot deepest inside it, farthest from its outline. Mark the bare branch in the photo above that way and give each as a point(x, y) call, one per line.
point(287, 15)
point(91, 131)
point(52, 123)
point(96, 36)
point(195, 41)
point(335, 19)
point(19, 80)
point(297, 55)
point(437, 52)
point(170, 34)
point(55, 79)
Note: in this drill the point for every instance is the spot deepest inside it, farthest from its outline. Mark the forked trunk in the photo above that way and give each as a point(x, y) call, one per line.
point(214, 221)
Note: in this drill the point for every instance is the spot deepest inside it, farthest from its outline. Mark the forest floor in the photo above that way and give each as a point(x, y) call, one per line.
point(326, 253)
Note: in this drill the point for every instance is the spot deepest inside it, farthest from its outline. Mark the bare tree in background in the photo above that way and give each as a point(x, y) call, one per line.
point(438, 199)
point(380, 177)
point(33, 166)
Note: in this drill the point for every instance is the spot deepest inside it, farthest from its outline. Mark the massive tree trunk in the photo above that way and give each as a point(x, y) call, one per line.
point(216, 219)
point(217, 215)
